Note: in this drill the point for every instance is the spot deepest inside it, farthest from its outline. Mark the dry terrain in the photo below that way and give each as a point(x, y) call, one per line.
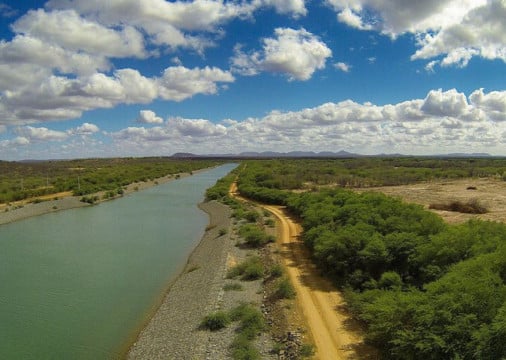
point(490, 192)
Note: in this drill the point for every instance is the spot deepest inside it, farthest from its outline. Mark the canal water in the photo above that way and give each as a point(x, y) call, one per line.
point(76, 284)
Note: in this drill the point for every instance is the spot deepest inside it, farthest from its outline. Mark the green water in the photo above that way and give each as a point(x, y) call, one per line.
point(76, 284)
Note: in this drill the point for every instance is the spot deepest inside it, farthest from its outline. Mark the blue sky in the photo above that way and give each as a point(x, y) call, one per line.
point(94, 78)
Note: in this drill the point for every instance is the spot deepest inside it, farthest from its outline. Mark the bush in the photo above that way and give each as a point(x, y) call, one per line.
point(243, 349)
point(222, 232)
point(276, 271)
point(250, 269)
point(252, 320)
point(285, 289)
point(254, 236)
point(215, 321)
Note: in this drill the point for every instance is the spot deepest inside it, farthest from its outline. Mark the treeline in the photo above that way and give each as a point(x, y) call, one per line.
point(21, 180)
point(291, 174)
point(422, 288)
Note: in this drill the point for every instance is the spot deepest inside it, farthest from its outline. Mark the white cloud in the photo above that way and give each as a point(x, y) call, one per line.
point(69, 30)
point(40, 134)
point(27, 50)
point(297, 53)
point(295, 7)
point(179, 83)
point(445, 121)
point(196, 127)
point(395, 17)
point(457, 30)
point(342, 66)
point(448, 103)
point(166, 23)
point(59, 98)
point(482, 33)
point(149, 117)
point(348, 17)
point(85, 129)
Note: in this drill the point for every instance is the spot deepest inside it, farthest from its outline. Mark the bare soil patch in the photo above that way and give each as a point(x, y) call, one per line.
point(489, 192)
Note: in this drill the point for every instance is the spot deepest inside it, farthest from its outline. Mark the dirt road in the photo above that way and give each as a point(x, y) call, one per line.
point(333, 331)
point(322, 304)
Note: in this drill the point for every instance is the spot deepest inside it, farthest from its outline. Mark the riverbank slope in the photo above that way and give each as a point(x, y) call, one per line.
point(172, 333)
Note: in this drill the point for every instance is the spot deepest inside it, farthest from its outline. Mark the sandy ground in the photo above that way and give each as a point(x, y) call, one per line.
point(335, 334)
point(489, 192)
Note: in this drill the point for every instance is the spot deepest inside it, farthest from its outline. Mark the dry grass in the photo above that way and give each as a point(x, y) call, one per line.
point(490, 193)
point(472, 206)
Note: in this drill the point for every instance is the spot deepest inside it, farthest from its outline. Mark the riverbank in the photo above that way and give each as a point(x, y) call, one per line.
point(173, 333)
point(24, 209)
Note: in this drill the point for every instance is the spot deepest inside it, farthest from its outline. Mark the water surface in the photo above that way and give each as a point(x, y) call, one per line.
point(75, 284)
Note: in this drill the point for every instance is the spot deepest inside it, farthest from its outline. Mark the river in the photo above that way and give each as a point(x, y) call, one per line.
point(78, 283)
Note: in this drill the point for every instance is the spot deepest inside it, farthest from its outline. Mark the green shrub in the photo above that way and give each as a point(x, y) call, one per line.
point(254, 236)
point(251, 216)
point(249, 269)
point(222, 232)
point(243, 349)
point(276, 271)
point(285, 289)
point(215, 321)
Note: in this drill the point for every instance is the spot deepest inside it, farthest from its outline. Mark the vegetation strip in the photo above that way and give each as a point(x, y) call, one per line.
point(424, 289)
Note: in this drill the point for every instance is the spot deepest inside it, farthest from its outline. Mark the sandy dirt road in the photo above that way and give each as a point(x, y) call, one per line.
point(335, 335)
point(331, 327)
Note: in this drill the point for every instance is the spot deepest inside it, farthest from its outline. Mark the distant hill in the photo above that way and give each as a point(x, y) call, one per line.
point(321, 154)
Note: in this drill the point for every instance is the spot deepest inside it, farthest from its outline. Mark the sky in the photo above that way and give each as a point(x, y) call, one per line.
point(95, 78)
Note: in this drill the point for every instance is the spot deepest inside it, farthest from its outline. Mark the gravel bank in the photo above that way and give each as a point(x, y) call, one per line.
point(173, 331)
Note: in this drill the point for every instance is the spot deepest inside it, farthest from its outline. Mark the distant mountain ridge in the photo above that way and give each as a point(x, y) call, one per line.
point(321, 154)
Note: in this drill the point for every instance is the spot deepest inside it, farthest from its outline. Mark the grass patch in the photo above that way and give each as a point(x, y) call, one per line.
point(276, 271)
point(253, 236)
point(471, 207)
point(251, 325)
point(284, 289)
point(250, 269)
point(222, 232)
point(215, 321)
point(235, 286)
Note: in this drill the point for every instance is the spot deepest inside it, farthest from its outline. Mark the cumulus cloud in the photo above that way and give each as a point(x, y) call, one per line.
point(296, 53)
point(61, 98)
point(482, 32)
point(342, 66)
point(165, 22)
point(443, 119)
point(457, 30)
point(294, 7)
point(149, 117)
point(85, 129)
point(40, 134)
point(68, 29)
